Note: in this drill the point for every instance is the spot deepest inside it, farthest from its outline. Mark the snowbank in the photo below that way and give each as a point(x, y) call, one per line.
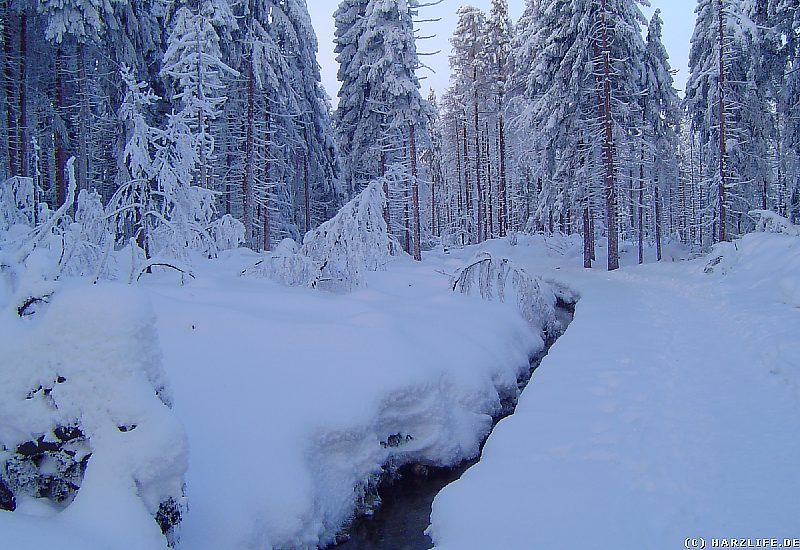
point(668, 410)
point(295, 399)
point(84, 403)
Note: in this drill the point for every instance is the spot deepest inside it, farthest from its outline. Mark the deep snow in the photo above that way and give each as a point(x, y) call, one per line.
point(288, 394)
point(668, 410)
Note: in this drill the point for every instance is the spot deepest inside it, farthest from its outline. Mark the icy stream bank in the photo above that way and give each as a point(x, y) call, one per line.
point(405, 497)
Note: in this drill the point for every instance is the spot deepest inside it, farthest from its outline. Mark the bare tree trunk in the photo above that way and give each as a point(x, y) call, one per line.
point(640, 206)
point(467, 185)
point(22, 95)
point(502, 192)
point(248, 181)
point(587, 239)
point(722, 150)
point(415, 194)
point(268, 129)
point(657, 195)
point(434, 210)
point(83, 119)
point(478, 186)
point(201, 121)
point(306, 189)
point(489, 200)
point(460, 196)
point(8, 71)
point(58, 134)
point(608, 147)
point(387, 217)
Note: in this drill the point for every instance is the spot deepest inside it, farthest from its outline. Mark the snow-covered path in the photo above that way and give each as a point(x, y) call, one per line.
point(670, 409)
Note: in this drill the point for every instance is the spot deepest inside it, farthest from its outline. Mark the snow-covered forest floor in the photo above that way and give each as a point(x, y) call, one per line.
point(669, 409)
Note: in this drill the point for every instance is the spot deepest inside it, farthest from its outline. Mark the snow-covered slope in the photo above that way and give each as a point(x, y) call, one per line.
point(670, 409)
point(293, 398)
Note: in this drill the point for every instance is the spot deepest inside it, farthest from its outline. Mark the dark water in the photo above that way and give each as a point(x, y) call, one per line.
point(405, 511)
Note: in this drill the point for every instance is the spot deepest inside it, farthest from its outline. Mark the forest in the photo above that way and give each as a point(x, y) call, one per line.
point(237, 313)
point(209, 114)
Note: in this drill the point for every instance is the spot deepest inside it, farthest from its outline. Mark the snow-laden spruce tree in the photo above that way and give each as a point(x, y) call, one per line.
point(316, 185)
point(360, 159)
point(581, 95)
point(470, 70)
point(727, 111)
point(498, 43)
point(195, 72)
point(783, 63)
point(660, 113)
point(382, 117)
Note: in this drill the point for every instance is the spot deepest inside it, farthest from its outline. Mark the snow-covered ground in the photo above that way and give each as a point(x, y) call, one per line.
point(288, 394)
point(668, 410)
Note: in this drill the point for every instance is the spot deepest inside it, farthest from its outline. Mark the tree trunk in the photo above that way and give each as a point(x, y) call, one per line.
point(387, 217)
point(608, 147)
point(657, 220)
point(460, 196)
point(587, 239)
point(434, 210)
point(58, 136)
point(415, 194)
point(640, 206)
point(22, 95)
point(467, 185)
point(503, 194)
point(8, 70)
point(248, 194)
point(478, 186)
point(306, 189)
point(201, 121)
point(489, 199)
point(722, 152)
point(83, 119)
point(268, 141)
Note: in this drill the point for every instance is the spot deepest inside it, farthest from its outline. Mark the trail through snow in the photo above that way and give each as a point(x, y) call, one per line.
point(670, 409)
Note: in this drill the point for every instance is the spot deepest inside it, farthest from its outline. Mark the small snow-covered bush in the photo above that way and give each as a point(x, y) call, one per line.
point(337, 255)
point(16, 202)
point(227, 233)
point(770, 222)
point(89, 239)
point(500, 280)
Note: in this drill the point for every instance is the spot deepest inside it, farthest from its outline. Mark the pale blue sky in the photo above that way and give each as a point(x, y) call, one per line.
point(678, 26)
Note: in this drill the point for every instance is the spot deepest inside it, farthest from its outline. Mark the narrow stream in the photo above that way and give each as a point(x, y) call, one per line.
point(404, 514)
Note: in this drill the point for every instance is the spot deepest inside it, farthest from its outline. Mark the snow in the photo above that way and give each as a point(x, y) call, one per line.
point(668, 410)
point(90, 358)
point(288, 393)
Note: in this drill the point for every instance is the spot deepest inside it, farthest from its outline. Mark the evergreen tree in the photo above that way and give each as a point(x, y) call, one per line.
point(660, 113)
point(727, 110)
point(194, 68)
